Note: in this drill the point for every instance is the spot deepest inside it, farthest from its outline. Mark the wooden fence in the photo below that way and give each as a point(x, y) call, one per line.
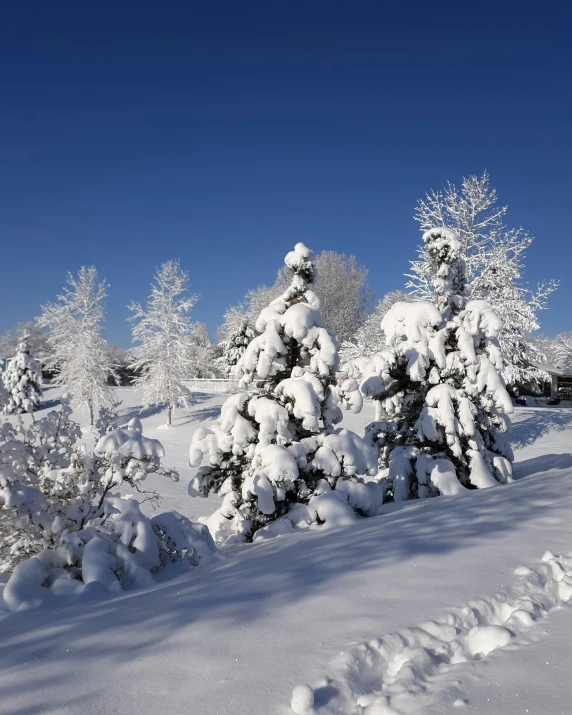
point(197, 384)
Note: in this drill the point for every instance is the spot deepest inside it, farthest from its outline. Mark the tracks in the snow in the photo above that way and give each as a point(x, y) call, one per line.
point(403, 673)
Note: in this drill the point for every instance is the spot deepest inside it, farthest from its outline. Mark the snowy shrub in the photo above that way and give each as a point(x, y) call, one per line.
point(442, 404)
point(109, 416)
point(276, 445)
point(61, 525)
point(22, 381)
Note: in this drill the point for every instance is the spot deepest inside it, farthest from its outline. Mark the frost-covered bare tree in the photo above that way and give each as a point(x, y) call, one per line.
point(36, 340)
point(341, 285)
point(557, 351)
point(234, 319)
point(494, 258)
point(202, 353)
point(370, 338)
point(161, 333)
point(563, 350)
point(258, 298)
point(80, 355)
point(345, 297)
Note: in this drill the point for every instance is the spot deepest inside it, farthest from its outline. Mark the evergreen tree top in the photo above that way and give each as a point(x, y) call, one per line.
point(447, 269)
point(302, 263)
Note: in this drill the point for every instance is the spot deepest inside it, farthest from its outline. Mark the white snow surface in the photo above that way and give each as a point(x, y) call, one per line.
point(459, 593)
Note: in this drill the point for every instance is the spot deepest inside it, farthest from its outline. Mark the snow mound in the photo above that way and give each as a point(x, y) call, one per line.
point(129, 442)
point(482, 640)
point(302, 700)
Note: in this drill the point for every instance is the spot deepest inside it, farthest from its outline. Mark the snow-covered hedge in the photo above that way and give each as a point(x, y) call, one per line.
point(63, 529)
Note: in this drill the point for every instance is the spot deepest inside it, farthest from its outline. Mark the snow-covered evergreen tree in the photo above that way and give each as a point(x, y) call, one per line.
point(4, 396)
point(276, 454)
point(234, 344)
point(442, 404)
point(120, 364)
point(162, 331)
point(494, 258)
point(80, 355)
point(23, 380)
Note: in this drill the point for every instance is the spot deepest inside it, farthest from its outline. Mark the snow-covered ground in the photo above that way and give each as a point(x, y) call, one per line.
point(238, 637)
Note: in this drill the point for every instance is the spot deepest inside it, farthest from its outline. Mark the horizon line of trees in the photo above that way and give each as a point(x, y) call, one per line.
point(169, 348)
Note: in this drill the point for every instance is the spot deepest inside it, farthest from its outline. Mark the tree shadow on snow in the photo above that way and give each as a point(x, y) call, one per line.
point(198, 397)
point(543, 463)
point(179, 415)
point(50, 404)
point(534, 426)
point(142, 412)
point(207, 413)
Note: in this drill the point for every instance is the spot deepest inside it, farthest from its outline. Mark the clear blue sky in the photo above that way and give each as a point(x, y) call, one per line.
point(223, 133)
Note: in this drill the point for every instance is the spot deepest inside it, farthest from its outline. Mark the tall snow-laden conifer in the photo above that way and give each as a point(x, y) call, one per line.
point(442, 403)
point(162, 331)
point(276, 454)
point(23, 380)
point(494, 257)
point(80, 355)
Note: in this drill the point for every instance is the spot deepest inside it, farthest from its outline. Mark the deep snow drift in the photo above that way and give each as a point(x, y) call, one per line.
point(239, 636)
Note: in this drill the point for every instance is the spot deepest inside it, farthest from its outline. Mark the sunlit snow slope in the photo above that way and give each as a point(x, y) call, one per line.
point(237, 638)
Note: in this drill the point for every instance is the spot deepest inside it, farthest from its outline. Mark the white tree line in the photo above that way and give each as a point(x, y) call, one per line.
point(169, 348)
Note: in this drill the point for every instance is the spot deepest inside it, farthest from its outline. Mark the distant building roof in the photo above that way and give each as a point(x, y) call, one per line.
point(552, 369)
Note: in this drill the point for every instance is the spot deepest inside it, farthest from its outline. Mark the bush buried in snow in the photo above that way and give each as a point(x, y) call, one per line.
point(61, 526)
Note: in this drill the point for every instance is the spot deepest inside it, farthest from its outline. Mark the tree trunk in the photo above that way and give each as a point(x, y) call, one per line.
point(90, 403)
point(169, 414)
